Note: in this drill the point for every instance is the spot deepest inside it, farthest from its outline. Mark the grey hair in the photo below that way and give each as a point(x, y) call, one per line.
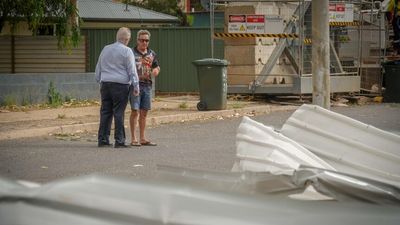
point(123, 34)
point(142, 32)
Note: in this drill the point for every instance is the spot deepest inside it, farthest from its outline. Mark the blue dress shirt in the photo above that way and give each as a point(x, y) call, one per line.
point(117, 64)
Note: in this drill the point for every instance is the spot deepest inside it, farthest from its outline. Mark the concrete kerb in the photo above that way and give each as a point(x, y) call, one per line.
point(255, 110)
point(152, 121)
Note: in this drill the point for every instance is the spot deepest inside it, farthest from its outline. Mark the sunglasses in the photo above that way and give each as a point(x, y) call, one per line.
point(144, 40)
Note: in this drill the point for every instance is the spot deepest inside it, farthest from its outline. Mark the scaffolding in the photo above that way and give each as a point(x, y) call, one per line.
point(278, 59)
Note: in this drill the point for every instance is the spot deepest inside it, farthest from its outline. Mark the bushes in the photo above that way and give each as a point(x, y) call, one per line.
point(54, 98)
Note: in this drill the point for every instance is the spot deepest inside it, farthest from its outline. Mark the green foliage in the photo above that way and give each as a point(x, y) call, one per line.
point(53, 96)
point(190, 20)
point(169, 7)
point(68, 98)
point(164, 6)
point(196, 5)
point(63, 13)
point(237, 105)
point(25, 102)
point(9, 100)
point(183, 105)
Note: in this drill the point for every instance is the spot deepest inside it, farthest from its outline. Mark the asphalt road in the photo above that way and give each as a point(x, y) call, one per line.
point(205, 145)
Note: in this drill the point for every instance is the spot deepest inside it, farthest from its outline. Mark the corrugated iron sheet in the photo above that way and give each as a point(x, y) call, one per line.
point(348, 145)
point(105, 9)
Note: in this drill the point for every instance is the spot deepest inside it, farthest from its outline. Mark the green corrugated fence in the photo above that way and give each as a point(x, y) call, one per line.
point(176, 49)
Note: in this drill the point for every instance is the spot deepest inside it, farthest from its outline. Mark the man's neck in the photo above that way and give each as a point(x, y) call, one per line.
point(123, 43)
point(143, 51)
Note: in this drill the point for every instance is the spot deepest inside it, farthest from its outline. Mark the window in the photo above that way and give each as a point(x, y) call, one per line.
point(46, 30)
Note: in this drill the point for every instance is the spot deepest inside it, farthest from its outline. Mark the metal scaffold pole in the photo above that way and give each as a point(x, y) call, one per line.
point(320, 53)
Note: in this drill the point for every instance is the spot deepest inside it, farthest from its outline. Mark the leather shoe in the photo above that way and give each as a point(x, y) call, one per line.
point(121, 146)
point(100, 145)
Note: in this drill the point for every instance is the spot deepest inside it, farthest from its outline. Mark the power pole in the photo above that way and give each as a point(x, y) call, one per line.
point(320, 53)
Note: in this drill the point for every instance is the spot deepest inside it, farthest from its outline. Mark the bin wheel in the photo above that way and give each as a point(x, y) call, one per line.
point(201, 106)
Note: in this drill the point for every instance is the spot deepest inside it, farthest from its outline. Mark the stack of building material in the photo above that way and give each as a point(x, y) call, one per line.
point(248, 56)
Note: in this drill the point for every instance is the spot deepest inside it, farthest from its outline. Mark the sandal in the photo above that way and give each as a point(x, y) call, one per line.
point(148, 143)
point(135, 143)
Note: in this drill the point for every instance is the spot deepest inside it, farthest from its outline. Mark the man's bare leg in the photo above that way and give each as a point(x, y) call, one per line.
point(133, 120)
point(142, 125)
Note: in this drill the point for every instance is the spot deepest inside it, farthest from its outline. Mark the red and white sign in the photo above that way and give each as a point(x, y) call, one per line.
point(341, 12)
point(340, 7)
point(237, 18)
point(237, 24)
point(255, 24)
point(255, 19)
point(332, 8)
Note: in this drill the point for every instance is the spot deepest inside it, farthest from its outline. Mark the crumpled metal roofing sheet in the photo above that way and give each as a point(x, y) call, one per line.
point(260, 148)
point(350, 146)
point(105, 200)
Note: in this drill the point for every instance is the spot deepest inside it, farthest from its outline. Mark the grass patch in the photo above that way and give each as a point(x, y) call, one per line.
point(71, 104)
point(237, 105)
point(67, 136)
point(9, 101)
point(54, 98)
point(157, 99)
point(25, 102)
point(183, 105)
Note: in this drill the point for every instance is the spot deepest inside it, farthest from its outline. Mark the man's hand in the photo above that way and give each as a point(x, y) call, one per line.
point(155, 71)
point(136, 91)
point(148, 60)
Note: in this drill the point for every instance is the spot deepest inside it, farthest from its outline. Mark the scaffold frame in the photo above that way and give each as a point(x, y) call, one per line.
point(344, 77)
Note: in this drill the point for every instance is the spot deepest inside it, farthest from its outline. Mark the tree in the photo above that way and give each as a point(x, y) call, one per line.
point(169, 7)
point(196, 5)
point(62, 13)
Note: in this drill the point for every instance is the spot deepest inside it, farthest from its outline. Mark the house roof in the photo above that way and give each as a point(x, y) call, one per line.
point(102, 10)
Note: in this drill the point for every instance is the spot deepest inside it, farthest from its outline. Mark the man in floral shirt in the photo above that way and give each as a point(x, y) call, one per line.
point(147, 67)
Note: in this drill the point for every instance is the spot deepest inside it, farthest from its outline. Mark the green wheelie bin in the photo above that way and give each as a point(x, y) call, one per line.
point(212, 78)
point(392, 81)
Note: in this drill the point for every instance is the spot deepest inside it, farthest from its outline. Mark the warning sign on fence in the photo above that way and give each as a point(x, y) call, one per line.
point(237, 24)
point(273, 24)
point(255, 24)
point(341, 12)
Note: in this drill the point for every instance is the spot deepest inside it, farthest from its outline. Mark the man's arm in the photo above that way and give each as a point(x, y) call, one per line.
point(98, 70)
point(132, 72)
point(155, 66)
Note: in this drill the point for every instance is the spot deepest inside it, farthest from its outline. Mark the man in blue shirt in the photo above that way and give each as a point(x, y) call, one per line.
point(116, 72)
point(147, 67)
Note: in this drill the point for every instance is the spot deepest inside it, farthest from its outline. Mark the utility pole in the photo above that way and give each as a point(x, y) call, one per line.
point(320, 53)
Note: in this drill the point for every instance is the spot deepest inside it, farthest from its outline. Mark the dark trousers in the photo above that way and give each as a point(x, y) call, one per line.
point(114, 98)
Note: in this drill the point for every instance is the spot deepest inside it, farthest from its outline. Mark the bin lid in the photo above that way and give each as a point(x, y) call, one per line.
point(391, 63)
point(210, 62)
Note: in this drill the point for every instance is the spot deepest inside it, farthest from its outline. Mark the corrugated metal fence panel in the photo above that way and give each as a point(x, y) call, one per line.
point(176, 49)
point(96, 40)
point(40, 54)
point(5, 54)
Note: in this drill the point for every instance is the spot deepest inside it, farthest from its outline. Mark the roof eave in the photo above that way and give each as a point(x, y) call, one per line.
point(130, 20)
